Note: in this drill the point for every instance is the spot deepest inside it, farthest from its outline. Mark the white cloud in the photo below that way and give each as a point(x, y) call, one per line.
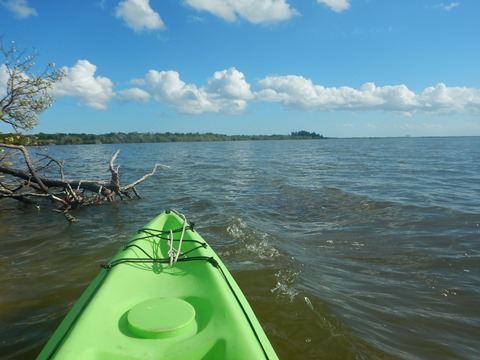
point(139, 15)
point(392, 97)
point(254, 11)
point(137, 82)
point(300, 93)
point(230, 84)
point(167, 88)
point(20, 8)
point(446, 7)
point(134, 94)
point(80, 81)
point(336, 5)
point(227, 92)
point(440, 98)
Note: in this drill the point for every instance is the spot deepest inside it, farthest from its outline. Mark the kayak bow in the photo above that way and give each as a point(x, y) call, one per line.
point(165, 295)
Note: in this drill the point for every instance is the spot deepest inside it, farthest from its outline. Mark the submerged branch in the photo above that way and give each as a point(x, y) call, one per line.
point(27, 186)
point(144, 177)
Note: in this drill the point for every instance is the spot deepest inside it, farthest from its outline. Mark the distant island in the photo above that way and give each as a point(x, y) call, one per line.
point(136, 137)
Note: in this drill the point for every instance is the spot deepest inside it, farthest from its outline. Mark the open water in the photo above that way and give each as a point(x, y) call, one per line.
point(345, 248)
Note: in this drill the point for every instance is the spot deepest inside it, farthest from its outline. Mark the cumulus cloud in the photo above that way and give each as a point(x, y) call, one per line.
point(137, 82)
point(300, 93)
point(134, 94)
point(230, 84)
point(20, 8)
point(227, 91)
point(80, 81)
point(167, 88)
point(441, 98)
point(254, 11)
point(139, 15)
point(336, 5)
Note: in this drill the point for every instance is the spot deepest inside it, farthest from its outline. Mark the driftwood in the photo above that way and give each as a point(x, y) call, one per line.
point(29, 187)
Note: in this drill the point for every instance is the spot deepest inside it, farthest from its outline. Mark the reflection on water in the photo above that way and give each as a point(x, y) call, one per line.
point(358, 248)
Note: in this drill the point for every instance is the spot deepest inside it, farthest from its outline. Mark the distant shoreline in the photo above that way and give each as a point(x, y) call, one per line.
point(138, 138)
point(43, 139)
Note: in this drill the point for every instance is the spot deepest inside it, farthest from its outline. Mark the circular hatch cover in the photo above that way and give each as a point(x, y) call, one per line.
point(161, 318)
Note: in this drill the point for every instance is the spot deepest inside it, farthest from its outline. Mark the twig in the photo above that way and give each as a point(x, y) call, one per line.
point(144, 177)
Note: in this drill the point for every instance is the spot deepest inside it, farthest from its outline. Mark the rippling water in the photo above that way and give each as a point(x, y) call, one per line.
point(346, 248)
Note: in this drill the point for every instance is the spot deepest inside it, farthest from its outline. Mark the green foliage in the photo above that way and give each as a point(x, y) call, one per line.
point(135, 137)
point(305, 134)
point(26, 94)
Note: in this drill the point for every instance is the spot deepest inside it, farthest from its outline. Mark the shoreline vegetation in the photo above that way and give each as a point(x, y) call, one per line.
point(136, 137)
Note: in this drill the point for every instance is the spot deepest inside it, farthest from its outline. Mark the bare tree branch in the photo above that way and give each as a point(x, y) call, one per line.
point(26, 156)
point(29, 187)
point(144, 177)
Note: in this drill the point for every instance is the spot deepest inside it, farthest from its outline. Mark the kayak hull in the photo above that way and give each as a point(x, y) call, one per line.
point(140, 306)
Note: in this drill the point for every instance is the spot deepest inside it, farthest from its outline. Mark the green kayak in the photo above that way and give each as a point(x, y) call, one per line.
point(164, 295)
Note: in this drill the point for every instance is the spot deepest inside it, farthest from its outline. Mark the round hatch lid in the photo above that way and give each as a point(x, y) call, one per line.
point(161, 318)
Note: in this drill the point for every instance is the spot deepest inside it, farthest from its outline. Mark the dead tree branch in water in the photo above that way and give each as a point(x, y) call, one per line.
point(26, 185)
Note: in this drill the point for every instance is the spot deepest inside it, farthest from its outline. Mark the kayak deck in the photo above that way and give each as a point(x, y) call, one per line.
point(141, 306)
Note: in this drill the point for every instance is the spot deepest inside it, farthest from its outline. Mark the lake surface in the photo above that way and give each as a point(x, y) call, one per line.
point(345, 248)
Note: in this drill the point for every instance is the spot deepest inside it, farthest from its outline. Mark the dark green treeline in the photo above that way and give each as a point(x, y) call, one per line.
point(135, 137)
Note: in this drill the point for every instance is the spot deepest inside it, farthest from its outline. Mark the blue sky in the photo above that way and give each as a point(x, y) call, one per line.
point(341, 68)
